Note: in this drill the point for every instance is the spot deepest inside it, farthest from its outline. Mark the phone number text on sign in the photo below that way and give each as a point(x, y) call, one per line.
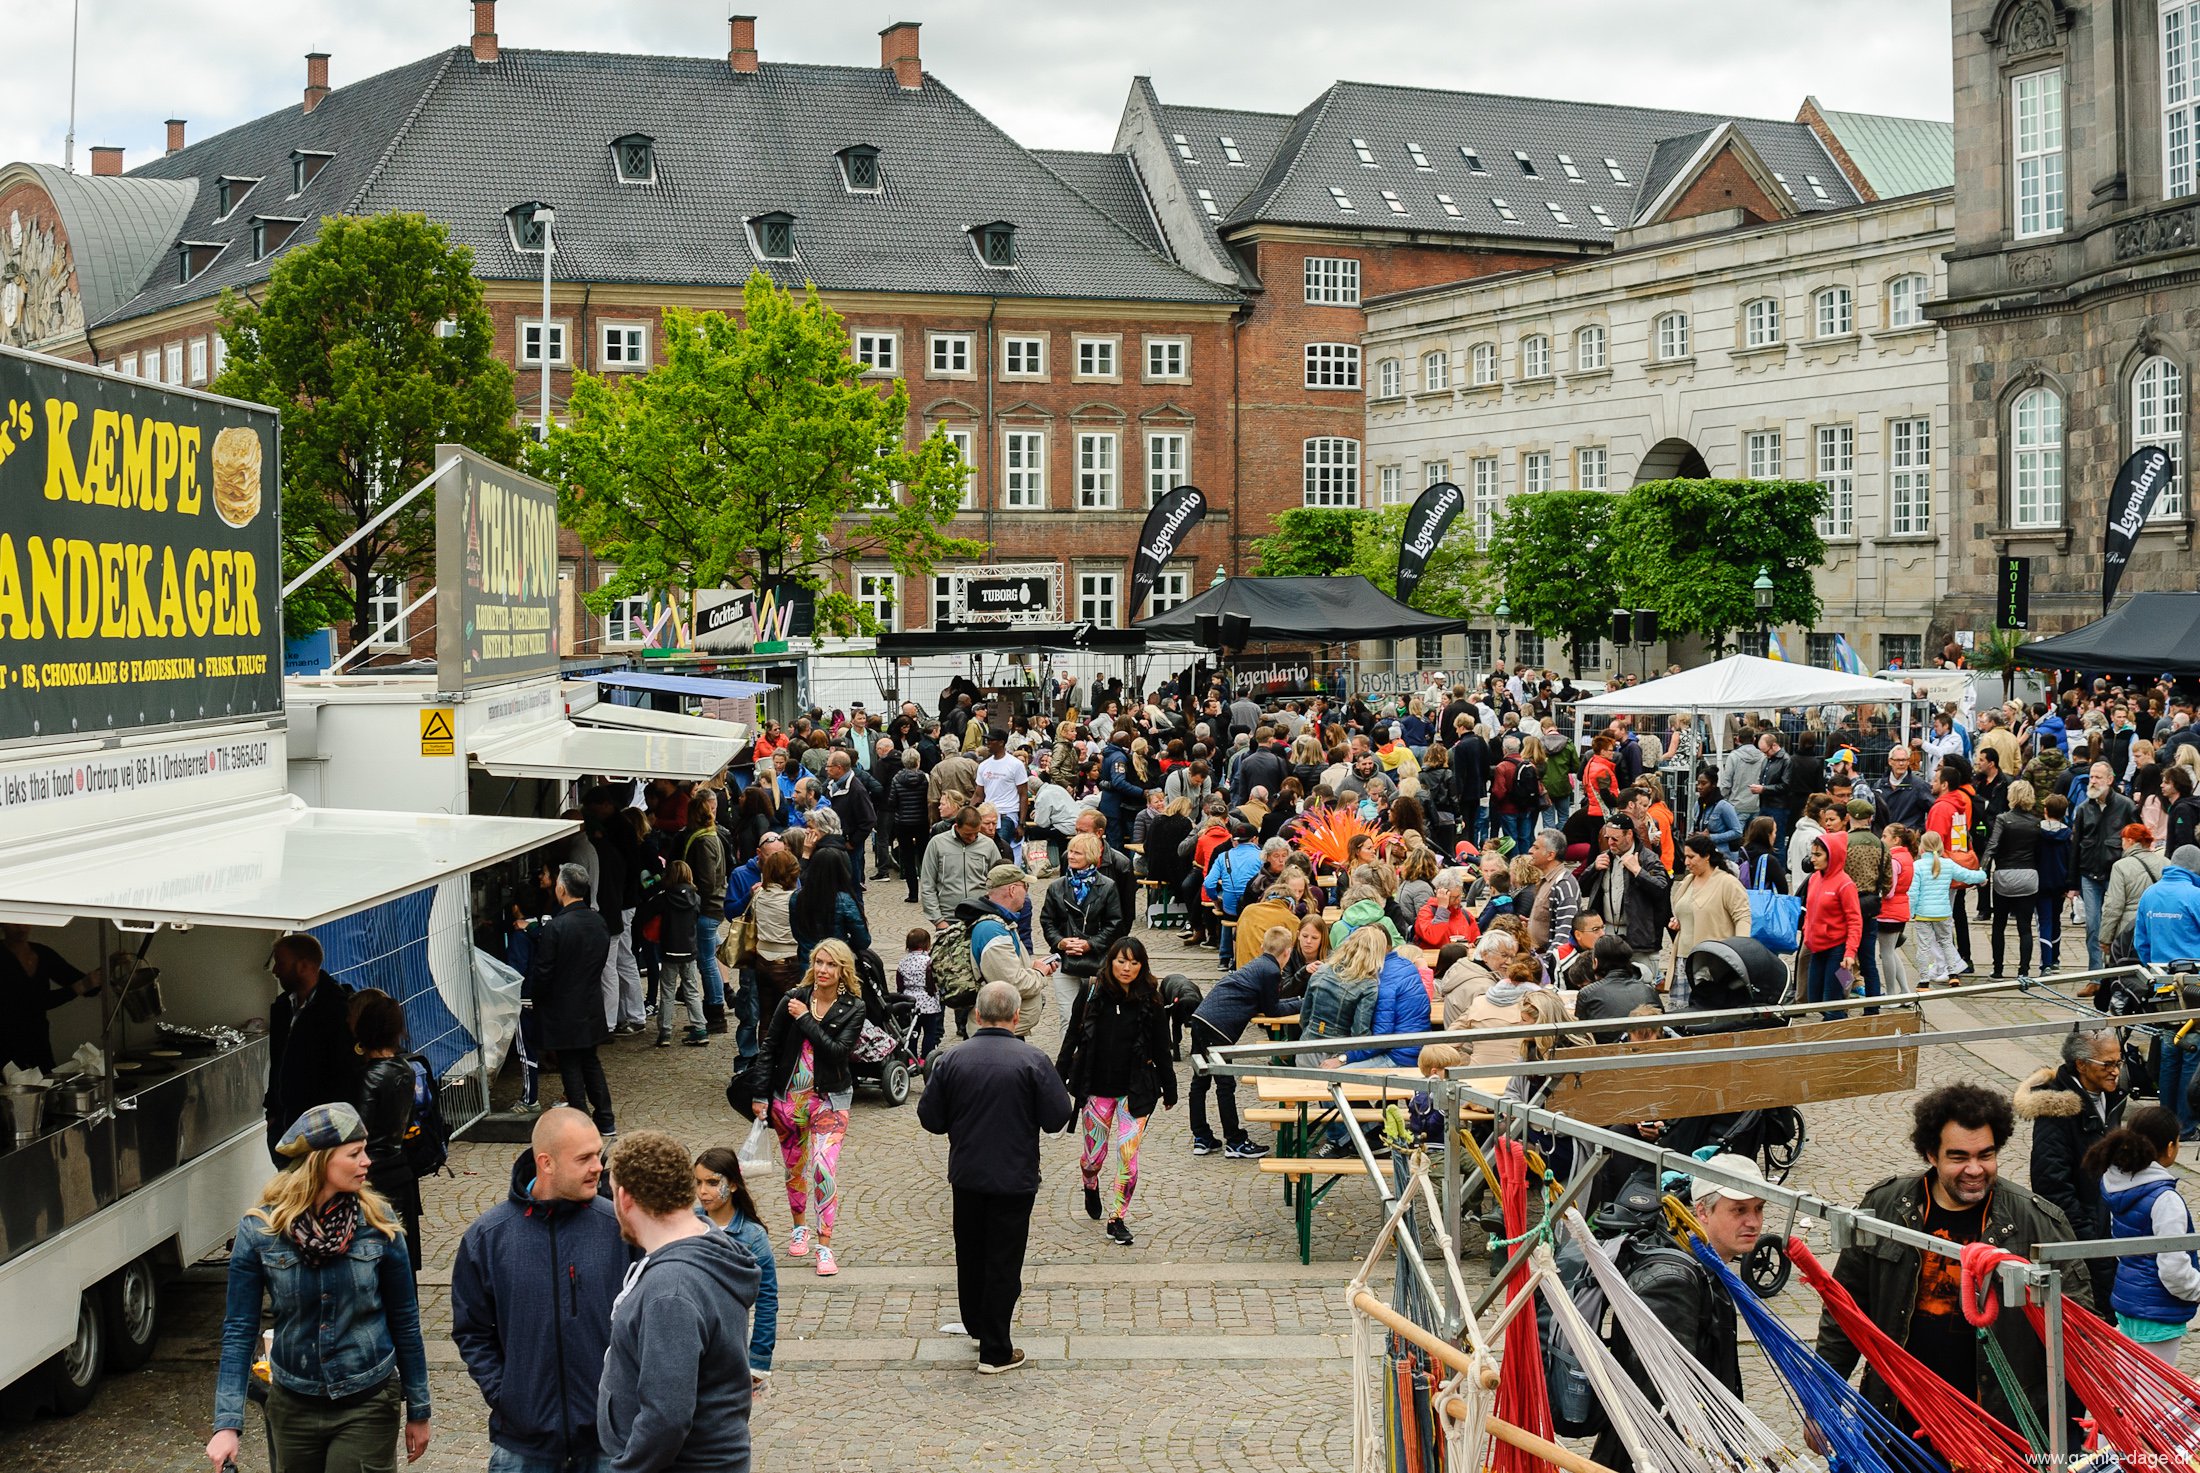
point(128, 772)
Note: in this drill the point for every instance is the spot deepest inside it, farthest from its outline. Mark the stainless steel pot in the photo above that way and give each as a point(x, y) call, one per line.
point(26, 1104)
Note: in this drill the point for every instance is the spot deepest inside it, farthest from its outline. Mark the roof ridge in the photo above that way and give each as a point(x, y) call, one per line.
point(397, 138)
point(252, 122)
point(1243, 112)
point(1843, 112)
point(1304, 124)
point(1562, 101)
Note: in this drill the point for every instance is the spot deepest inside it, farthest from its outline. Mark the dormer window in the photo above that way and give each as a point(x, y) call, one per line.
point(305, 165)
point(996, 245)
point(194, 256)
point(229, 192)
point(859, 168)
point(635, 158)
point(270, 233)
point(527, 231)
point(774, 235)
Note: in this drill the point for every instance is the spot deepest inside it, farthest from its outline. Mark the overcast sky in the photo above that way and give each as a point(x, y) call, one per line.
point(1052, 74)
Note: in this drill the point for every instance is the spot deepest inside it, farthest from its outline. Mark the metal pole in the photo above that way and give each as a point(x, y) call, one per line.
point(2058, 1411)
point(542, 423)
point(68, 143)
point(379, 518)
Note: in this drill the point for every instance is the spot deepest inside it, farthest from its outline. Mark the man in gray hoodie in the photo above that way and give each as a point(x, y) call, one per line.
point(684, 1314)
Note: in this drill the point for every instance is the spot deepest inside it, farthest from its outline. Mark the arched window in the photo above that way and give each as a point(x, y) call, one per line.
point(1483, 365)
point(1436, 371)
point(1589, 350)
point(1836, 312)
point(2158, 418)
point(1386, 378)
point(2036, 459)
point(1535, 356)
point(1672, 336)
point(1761, 323)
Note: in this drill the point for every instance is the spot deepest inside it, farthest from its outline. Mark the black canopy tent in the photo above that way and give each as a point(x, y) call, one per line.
point(1021, 685)
point(2152, 634)
point(1322, 610)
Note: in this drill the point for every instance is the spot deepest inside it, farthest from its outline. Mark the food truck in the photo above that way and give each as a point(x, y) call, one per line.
point(153, 845)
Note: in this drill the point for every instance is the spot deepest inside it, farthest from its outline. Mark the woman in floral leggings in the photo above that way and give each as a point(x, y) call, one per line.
point(1115, 1060)
point(802, 1083)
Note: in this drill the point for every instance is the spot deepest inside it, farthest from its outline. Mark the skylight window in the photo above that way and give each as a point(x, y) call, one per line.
point(1474, 160)
point(1558, 215)
point(1451, 206)
point(1527, 165)
point(1390, 198)
point(1781, 180)
point(1230, 152)
point(1619, 175)
point(229, 192)
point(1818, 189)
point(1568, 165)
point(635, 158)
point(996, 244)
point(1367, 155)
point(1207, 203)
point(1339, 196)
point(774, 234)
point(1183, 148)
point(1420, 159)
point(1504, 211)
point(859, 168)
point(1602, 218)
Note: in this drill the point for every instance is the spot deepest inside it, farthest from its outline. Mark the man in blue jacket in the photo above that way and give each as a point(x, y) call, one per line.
point(1222, 1017)
point(1232, 869)
point(531, 1294)
point(1120, 795)
point(2166, 927)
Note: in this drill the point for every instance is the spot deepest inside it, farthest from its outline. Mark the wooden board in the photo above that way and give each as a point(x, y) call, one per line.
point(1699, 1083)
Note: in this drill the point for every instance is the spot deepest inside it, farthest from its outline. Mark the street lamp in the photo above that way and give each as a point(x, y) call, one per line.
point(544, 216)
point(1761, 591)
point(1503, 615)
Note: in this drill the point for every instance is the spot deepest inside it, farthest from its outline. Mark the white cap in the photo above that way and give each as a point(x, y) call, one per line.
point(1704, 1188)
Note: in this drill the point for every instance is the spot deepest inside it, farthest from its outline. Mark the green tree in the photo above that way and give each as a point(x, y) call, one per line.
point(1309, 542)
point(1450, 582)
point(1551, 557)
point(1691, 550)
point(347, 343)
point(754, 453)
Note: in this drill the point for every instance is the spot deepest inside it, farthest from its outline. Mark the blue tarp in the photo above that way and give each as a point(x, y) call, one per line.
point(722, 686)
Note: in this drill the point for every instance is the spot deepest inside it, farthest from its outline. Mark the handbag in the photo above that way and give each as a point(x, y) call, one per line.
point(1775, 920)
point(874, 1045)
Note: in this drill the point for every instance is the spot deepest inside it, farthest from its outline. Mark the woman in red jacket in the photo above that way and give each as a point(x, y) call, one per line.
point(1894, 907)
point(1833, 926)
point(1444, 917)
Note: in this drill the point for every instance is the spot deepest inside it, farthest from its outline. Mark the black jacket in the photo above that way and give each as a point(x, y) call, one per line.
point(1470, 769)
point(831, 1039)
point(386, 1108)
point(310, 1056)
point(1099, 920)
point(618, 866)
point(676, 908)
point(906, 800)
point(993, 1097)
point(2097, 832)
point(1237, 998)
point(2064, 1127)
point(1646, 902)
point(1906, 803)
point(565, 978)
point(1690, 1303)
point(1263, 767)
point(1614, 995)
point(1164, 835)
point(2015, 841)
point(1440, 795)
point(1116, 1049)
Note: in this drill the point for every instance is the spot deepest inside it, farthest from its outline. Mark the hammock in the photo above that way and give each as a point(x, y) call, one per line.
point(1522, 1398)
point(1959, 1428)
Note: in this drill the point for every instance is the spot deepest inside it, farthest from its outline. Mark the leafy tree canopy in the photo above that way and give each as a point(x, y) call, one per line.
point(1692, 550)
point(1310, 542)
point(754, 453)
point(347, 345)
point(1450, 581)
point(1551, 557)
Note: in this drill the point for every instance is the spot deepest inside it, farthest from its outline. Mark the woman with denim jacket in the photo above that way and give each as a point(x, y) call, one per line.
point(347, 1358)
point(722, 1195)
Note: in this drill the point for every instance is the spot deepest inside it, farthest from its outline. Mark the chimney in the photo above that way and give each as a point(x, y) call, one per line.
point(106, 161)
point(897, 48)
point(316, 79)
point(485, 30)
point(742, 56)
point(175, 135)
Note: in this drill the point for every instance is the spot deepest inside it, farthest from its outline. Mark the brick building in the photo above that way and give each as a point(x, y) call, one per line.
point(2071, 316)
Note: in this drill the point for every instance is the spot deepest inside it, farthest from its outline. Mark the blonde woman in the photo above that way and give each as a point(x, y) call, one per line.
point(348, 1364)
point(802, 1082)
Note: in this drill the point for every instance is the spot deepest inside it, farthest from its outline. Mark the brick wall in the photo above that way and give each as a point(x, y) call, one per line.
point(1724, 184)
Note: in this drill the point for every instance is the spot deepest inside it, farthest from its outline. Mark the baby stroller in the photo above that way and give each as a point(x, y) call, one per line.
point(886, 1052)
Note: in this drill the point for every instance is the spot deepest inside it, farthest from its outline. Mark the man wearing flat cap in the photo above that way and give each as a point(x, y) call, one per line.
point(1000, 951)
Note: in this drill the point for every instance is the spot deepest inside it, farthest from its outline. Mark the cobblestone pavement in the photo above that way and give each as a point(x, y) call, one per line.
point(1207, 1345)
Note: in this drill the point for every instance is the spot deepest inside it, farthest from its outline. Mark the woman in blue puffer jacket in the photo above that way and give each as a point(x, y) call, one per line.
point(1401, 1006)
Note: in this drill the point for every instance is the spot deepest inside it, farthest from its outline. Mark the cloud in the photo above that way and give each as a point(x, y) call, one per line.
point(1053, 75)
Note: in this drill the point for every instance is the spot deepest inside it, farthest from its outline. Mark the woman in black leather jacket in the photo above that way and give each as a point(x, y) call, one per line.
point(2013, 872)
point(386, 1105)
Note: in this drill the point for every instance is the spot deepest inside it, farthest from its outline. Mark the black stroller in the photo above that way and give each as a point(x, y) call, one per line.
point(886, 1055)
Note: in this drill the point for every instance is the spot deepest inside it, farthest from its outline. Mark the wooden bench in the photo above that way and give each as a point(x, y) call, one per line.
point(1289, 1115)
point(1169, 909)
point(1304, 1171)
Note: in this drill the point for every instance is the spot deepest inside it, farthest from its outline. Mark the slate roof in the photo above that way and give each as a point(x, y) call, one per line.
point(1318, 153)
point(1109, 180)
point(119, 230)
point(461, 142)
point(1666, 162)
point(1256, 135)
point(1897, 155)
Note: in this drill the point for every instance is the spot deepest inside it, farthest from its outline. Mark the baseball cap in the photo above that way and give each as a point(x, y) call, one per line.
point(1704, 1189)
point(1005, 874)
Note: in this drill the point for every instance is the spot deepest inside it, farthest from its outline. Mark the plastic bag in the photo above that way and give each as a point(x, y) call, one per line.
point(760, 1151)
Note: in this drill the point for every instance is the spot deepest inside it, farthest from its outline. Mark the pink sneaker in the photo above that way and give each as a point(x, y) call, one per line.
point(799, 1245)
point(827, 1265)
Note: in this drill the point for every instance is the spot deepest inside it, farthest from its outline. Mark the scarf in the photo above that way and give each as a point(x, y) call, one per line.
point(323, 1237)
point(1505, 994)
point(1080, 882)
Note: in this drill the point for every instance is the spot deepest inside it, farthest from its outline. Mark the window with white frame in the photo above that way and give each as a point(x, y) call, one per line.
point(152, 365)
point(2158, 418)
point(1332, 365)
point(961, 439)
point(1761, 323)
point(385, 598)
point(1836, 312)
point(943, 600)
point(198, 360)
point(1482, 370)
point(1589, 349)
point(1386, 378)
point(1332, 464)
point(127, 365)
point(626, 621)
point(1171, 586)
point(1096, 358)
point(878, 351)
point(1535, 356)
point(1535, 472)
point(221, 354)
point(1168, 358)
point(879, 595)
point(1168, 462)
point(2180, 94)
point(1332, 281)
point(1023, 357)
point(530, 342)
point(1096, 470)
point(1096, 598)
point(624, 345)
point(1762, 455)
point(1837, 474)
point(1390, 482)
point(1909, 477)
point(950, 354)
point(2036, 459)
point(1906, 301)
point(172, 369)
point(2036, 140)
point(1591, 464)
point(1482, 486)
point(1436, 371)
point(1434, 473)
point(1672, 336)
point(1024, 470)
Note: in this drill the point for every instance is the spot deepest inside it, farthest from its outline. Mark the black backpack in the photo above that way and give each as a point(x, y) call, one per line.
point(427, 1142)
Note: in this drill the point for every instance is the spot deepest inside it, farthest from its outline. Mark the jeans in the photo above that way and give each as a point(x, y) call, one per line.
point(1519, 827)
point(2179, 1066)
point(1783, 820)
point(585, 1087)
point(2095, 893)
point(1959, 920)
point(1824, 982)
point(745, 1020)
point(706, 957)
point(1470, 822)
point(1560, 810)
point(2050, 914)
point(991, 1231)
point(1206, 1036)
point(882, 843)
point(909, 857)
point(504, 1460)
point(929, 1028)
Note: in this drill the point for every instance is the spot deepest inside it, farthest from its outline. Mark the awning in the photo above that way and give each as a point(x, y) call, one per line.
point(2151, 634)
point(1747, 683)
point(666, 723)
point(275, 864)
point(1317, 610)
point(725, 687)
point(556, 749)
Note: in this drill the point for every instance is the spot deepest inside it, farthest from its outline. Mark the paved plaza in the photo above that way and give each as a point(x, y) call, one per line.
point(1207, 1345)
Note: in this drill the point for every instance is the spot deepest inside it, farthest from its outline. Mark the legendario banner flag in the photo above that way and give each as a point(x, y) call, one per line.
point(2138, 485)
point(1167, 525)
point(1429, 519)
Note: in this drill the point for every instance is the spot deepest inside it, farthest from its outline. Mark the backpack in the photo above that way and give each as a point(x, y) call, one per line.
point(1575, 1409)
point(427, 1142)
point(954, 969)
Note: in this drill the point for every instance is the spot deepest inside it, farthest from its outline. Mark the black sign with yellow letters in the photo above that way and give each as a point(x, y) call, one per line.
point(140, 566)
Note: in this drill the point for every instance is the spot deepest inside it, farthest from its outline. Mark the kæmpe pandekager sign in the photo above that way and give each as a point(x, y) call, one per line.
point(140, 565)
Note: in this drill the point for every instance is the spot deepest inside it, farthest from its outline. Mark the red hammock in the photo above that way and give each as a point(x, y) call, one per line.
point(1521, 1397)
point(2139, 1404)
point(1960, 1431)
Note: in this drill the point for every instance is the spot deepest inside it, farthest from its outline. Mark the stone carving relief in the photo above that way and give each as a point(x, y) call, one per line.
point(2032, 267)
point(2170, 230)
point(38, 296)
point(2031, 27)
